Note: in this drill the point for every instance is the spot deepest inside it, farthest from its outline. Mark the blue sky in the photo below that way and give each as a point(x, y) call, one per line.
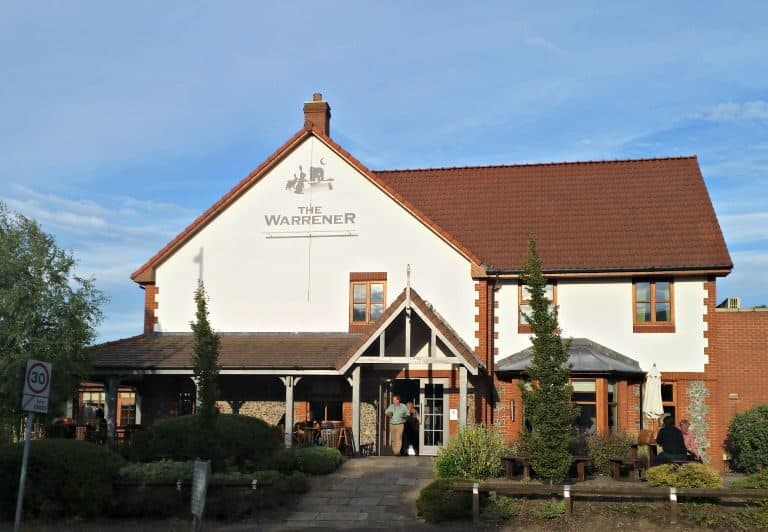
point(120, 123)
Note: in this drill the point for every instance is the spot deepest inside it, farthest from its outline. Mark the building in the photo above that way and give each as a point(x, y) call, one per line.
point(334, 286)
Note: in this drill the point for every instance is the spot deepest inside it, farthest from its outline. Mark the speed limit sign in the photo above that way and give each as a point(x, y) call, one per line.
point(37, 387)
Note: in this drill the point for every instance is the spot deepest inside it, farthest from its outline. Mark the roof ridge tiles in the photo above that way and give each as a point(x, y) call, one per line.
point(549, 163)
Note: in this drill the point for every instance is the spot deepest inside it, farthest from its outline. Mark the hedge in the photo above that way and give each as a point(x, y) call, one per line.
point(221, 502)
point(317, 460)
point(690, 475)
point(64, 478)
point(244, 442)
point(439, 502)
point(748, 439)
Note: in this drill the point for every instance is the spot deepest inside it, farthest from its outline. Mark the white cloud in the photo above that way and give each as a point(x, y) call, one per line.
point(749, 279)
point(745, 227)
point(541, 42)
point(731, 112)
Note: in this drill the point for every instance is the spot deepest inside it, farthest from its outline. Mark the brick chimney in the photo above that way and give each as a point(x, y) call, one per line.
point(317, 113)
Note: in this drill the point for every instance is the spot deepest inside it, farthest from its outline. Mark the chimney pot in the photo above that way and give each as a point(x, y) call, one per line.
point(317, 114)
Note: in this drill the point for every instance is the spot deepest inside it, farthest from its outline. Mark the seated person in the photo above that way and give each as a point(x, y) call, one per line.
point(308, 423)
point(690, 441)
point(671, 440)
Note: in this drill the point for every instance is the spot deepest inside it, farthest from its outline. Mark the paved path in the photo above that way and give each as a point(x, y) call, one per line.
point(365, 493)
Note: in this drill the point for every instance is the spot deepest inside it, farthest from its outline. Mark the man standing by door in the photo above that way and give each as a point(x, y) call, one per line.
point(397, 414)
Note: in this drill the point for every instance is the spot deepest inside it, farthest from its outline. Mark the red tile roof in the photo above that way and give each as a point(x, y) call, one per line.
point(246, 350)
point(632, 215)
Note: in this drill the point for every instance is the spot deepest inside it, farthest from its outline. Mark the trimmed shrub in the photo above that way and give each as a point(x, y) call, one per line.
point(439, 502)
point(603, 447)
point(158, 471)
point(317, 460)
point(284, 459)
point(474, 453)
point(500, 508)
point(549, 509)
point(64, 477)
point(241, 441)
point(748, 439)
point(757, 480)
point(691, 475)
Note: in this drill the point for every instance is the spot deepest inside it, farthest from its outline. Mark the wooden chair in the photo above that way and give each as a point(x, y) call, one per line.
point(330, 437)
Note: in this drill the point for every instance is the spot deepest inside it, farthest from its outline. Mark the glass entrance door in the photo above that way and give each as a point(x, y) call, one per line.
point(434, 418)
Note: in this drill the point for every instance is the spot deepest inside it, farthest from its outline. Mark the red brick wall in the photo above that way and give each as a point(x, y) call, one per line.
point(738, 365)
point(150, 306)
point(486, 320)
point(509, 390)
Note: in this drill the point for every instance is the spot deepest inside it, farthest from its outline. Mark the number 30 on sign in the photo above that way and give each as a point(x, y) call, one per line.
point(37, 387)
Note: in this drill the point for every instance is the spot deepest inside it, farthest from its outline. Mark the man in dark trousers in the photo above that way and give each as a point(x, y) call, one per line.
point(671, 440)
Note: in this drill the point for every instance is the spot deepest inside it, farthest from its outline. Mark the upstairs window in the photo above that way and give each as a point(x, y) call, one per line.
point(368, 298)
point(524, 303)
point(653, 305)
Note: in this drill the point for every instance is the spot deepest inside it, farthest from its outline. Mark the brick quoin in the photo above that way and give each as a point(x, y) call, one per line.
point(150, 307)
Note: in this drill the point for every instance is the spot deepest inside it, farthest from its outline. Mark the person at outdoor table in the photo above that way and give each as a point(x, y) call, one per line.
point(671, 440)
point(311, 435)
point(397, 414)
point(690, 440)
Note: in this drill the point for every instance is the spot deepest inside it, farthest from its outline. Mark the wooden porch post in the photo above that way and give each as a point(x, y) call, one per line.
point(110, 405)
point(356, 409)
point(288, 381)
point(462, 396)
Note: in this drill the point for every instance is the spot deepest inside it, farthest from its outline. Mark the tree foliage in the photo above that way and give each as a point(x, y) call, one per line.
point(547, 401)
point(747, 439)
point(47, 312)
point(206, 358)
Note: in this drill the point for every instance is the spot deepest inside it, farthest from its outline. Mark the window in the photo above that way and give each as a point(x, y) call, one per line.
point(596, 398)
point(327, 410)
point(585, 395)
point(524, 303)
point(668, 399)
point(653, 305)
point(127, 409)
point(368, 298)
point(613, 407)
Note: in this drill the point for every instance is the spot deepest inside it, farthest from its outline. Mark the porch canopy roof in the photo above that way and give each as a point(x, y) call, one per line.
point(161, 351)
point(584, 356)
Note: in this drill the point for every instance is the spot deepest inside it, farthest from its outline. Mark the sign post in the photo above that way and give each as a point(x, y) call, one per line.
point(199, 492)
point(34, 399)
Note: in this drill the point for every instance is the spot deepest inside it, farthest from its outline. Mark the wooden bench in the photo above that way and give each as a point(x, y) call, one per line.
point(581, 464)
point(568, 493)
point(510, 463)
point(633, 462)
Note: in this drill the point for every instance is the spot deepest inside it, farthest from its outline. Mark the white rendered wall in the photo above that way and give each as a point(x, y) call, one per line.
point(256, 283)
point(602, 311)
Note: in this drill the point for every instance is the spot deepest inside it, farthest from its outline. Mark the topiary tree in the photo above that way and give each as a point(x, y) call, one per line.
point(547, 401)
point(748, 439)
point(205, 362)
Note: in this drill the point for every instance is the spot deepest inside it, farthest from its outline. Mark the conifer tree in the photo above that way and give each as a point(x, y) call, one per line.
point(547, 400)
point(206, 357)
